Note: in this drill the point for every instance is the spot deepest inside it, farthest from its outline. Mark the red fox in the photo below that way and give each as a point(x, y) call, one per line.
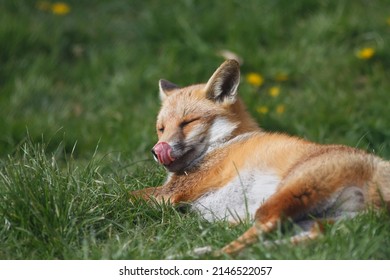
point(221, 163)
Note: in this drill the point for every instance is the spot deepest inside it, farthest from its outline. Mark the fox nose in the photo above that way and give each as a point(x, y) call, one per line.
point(162, 153)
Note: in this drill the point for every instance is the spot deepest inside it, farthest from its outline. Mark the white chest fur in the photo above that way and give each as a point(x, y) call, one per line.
point(239, 199)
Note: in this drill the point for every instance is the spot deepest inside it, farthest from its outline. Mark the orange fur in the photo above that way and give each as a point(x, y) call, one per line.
point(214, 142)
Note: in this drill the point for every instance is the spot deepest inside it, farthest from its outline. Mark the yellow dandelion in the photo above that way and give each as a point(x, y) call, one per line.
point(280, 109)
point(43, 5)
point(263, 110)
point(281, 77)
point(274, 91)
point(60, 8)
point(365, 53)
point(255, 79)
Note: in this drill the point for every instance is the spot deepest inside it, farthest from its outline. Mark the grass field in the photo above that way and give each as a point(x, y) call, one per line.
point(78, 100)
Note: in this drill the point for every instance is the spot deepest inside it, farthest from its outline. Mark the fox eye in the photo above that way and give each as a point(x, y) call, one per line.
point(161, 129)
point(187, 122)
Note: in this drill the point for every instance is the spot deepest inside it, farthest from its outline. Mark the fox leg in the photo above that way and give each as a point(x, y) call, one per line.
point(266, 220)
point(306, 188)
point(157, 194)
point(316, 229)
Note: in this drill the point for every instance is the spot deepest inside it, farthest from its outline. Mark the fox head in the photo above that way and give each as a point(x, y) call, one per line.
point(194, 120)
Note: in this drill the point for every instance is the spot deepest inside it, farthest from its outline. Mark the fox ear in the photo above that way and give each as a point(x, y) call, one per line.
point(223, 84)
point(166, 87)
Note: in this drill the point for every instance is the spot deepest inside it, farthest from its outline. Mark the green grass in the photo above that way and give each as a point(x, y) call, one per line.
point(78, 100)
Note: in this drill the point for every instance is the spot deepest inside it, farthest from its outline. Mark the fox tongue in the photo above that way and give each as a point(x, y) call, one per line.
point(163, 152)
